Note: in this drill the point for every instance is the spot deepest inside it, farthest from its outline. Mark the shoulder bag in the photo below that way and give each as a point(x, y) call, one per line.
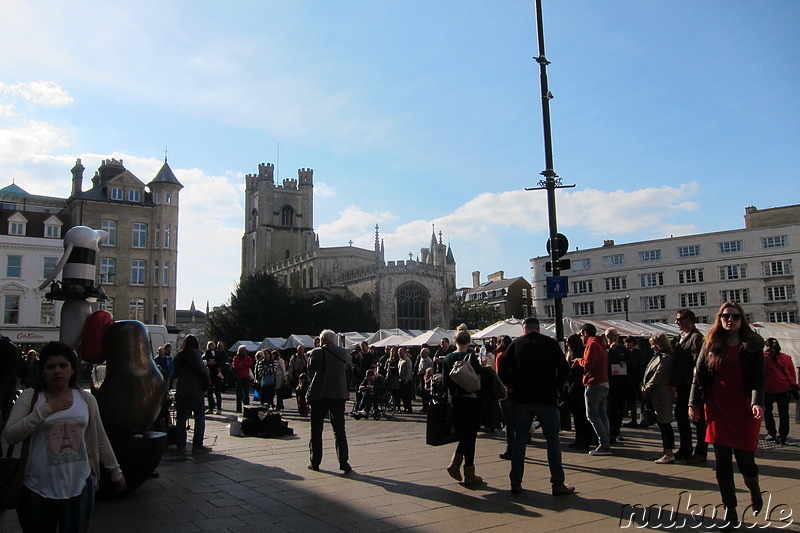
point(465, 376)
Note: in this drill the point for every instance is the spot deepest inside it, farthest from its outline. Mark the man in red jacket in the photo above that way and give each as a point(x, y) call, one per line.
point(595, 379)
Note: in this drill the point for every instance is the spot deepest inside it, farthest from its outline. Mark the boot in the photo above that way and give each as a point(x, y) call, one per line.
point(731, 520)
point(455, 466)
point(470, 478)
point(756, 501)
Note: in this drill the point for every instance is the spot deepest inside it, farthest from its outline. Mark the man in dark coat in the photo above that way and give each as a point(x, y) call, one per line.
point(534, 371)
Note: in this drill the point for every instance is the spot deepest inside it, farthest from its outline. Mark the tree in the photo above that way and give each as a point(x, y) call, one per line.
point(475, 316)
point(261, 307)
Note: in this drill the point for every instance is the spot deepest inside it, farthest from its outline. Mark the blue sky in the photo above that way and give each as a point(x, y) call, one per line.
point(669, 117)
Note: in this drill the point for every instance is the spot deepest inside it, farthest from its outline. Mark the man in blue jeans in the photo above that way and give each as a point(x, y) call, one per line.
point(534, 370)
point(595, 379)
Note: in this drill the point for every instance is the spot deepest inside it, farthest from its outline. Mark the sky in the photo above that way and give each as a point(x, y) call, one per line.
point(668, 117)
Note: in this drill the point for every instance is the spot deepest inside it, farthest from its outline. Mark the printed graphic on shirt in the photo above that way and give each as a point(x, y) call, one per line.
point(65, 441)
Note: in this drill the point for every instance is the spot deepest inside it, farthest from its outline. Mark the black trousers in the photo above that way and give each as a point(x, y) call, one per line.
point(319, 409)
point(782, 399)
point(465, 419)
point(685, 425)
point(745, 461)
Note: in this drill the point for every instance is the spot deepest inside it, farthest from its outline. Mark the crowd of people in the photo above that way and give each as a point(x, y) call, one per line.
point(716, 389)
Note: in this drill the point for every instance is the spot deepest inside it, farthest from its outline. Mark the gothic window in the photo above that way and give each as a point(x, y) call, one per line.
point(287, 216)
point(366, 301)
point(412, 307)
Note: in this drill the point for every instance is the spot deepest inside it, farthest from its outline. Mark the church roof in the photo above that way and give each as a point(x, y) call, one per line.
point(450, 260)
point(165, 175)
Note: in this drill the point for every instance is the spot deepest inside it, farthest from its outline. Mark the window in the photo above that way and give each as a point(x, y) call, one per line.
point(168, 196)
point(781, 267)
point(524, 293)
point(138, 272)
point(693, 299)
point(156, 272)
point(779, 293)
point(164, 309)
point(48, 265)
point(139, 235)
point(412, 307)
point(109, 226)
point(777, 241)
point(728, 272)
point(157, 236)
point(135, 195)
point(11, 309)
point(16, 228)
point(692, 275)
point(166, 235)
point(689, 251)
point(741, 296)
point(582, 264)
point(116, 193)
point(582, 287)
point(583, 308)
point(783, 316)
point(52, 231)
point(654, 321)
point(136, 310)
point(729, 247)
point(550, 311)
point(108, 271)
point(158, 197)
point(651, 303)
point(617, 305)
point(616, 283)
point(614, 260)
point(651, 279)
point(106, 305)
point(287, 216)
point(155, 314)
point(165, 280)
point(649, 255)
point(47, 313)
point(14, 266)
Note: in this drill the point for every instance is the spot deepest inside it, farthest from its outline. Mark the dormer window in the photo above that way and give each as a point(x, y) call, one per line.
point(52, 228)
point(135, 195)
point(17, 224)
point(116, 193)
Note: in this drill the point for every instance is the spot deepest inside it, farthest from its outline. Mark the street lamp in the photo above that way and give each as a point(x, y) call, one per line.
point(627, 297)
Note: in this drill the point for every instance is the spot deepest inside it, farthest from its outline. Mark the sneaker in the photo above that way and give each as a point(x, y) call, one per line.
point(665, 460)
point(201, 449)
point(600, 451)
point(563, 490)
point(769, 437)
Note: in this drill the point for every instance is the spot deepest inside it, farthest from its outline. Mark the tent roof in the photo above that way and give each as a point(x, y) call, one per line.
point(432, 336)
point(251, 346)
point(394, 340)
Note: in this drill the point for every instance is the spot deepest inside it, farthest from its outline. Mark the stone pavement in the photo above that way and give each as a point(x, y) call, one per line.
point(400, 484)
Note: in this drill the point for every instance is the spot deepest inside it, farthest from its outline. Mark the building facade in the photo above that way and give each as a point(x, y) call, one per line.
point(512, 298)
point(279, 239)
point(30, 239)
point(648, 281)
point(136, 266)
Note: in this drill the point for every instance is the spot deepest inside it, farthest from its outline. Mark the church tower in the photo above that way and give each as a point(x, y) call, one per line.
point(279, 219)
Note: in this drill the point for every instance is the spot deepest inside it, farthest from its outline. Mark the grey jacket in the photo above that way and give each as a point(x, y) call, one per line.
point(328, 369)
point(656, 385)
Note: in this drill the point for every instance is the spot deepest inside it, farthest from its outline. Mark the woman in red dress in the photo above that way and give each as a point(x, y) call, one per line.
point(729, 385)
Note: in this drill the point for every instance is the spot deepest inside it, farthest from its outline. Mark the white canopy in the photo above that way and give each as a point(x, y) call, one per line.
point(394, 340)
point(432, 336)
point(510, 326)
point(271, 343)
point(293, 341)
point(251, 346)
point(383, 333)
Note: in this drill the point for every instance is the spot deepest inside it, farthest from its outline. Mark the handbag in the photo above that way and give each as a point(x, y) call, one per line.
point(284, 391)
point(440, 428)
point(12, 471)
point(465, 376)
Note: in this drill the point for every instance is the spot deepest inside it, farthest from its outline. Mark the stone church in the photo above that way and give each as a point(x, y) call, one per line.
point(279, 239)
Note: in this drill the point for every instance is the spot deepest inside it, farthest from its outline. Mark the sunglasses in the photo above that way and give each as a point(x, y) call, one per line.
point(730, 316)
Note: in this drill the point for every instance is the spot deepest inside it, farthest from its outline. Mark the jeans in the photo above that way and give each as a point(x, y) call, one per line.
point(366, 400)
point(550, 420)
point(506, 407)
point(782, 399)
point(38, 514)
point(242, 393)
point(597, 413)
point(320, 408)
point(184, 405)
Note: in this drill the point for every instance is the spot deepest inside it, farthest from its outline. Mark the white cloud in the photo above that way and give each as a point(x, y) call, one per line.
point(46, 93)
point(324, 190)
point(28, 138)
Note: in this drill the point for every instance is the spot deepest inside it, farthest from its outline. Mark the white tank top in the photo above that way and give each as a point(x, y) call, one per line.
point(58, 464)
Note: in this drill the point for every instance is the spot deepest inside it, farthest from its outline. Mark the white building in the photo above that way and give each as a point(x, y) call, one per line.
point(30, 247)
point(648, 281)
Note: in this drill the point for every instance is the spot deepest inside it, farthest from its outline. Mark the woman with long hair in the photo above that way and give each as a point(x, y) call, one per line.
point(242, 365)
point(192, 381)
point(656, 388)
point(465, 408)
point(505, 405)
point(729, 386)
point(585, 437)
point(779, 383)
point(60, 481)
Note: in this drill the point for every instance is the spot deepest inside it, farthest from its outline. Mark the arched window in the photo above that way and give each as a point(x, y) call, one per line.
point(412, 307)
point(287, 216)
point(254, 220)
point(366, 301)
